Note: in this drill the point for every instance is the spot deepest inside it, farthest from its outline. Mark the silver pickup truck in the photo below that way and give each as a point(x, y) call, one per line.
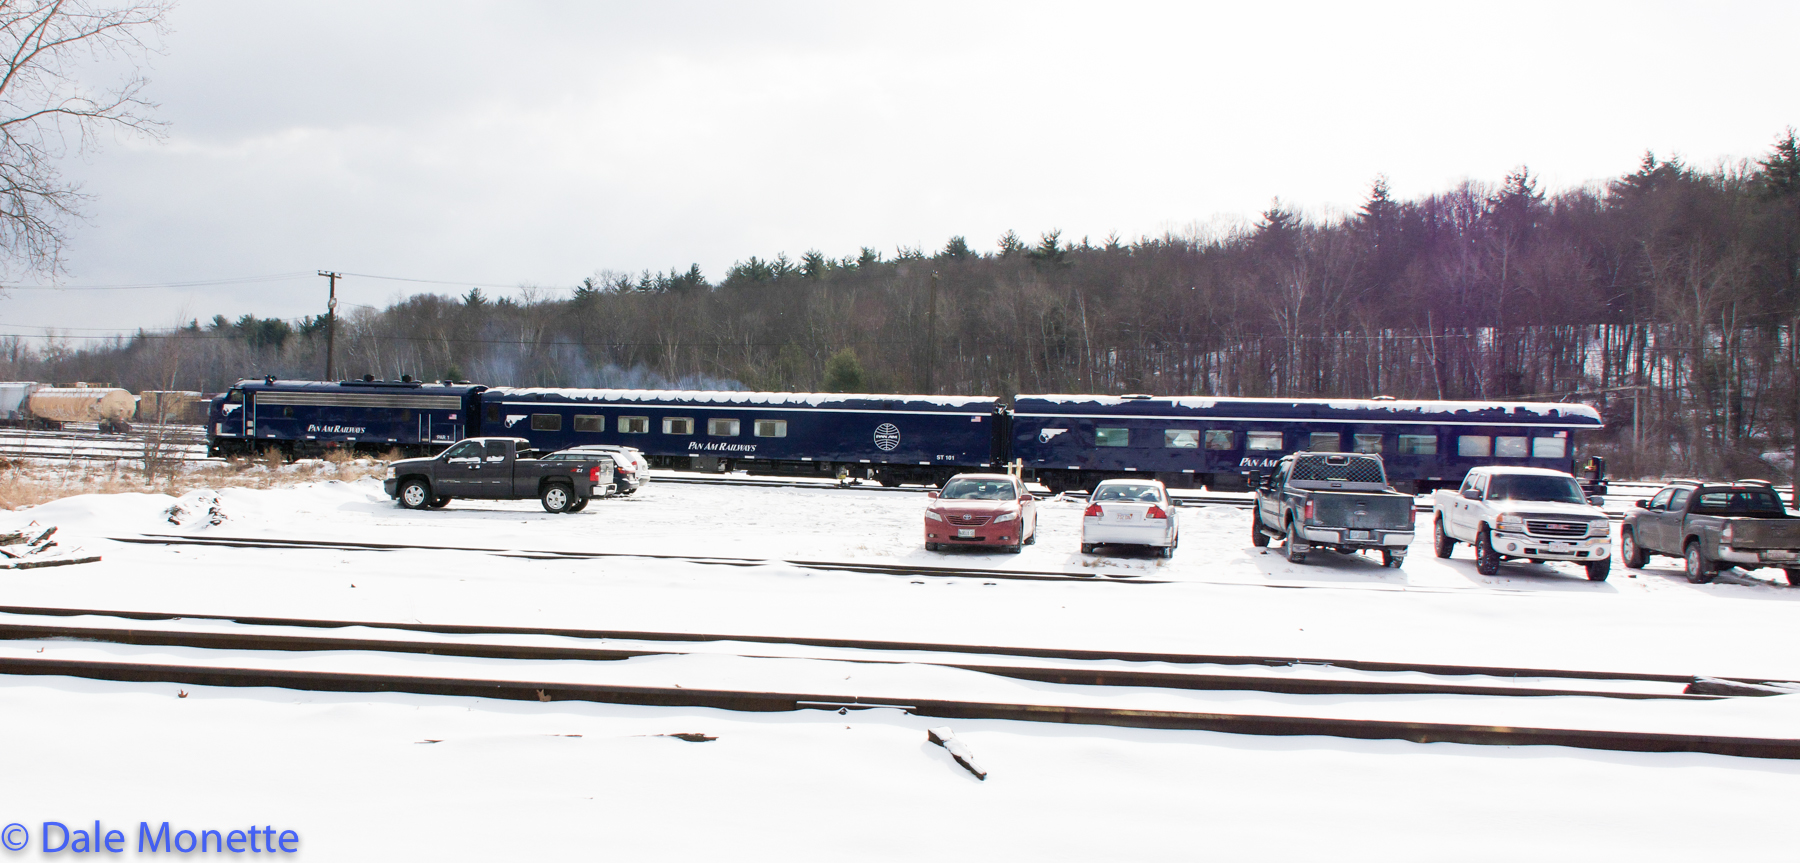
point(1712, 526)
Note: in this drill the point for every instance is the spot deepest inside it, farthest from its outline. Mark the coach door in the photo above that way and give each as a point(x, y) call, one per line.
point(231, 415)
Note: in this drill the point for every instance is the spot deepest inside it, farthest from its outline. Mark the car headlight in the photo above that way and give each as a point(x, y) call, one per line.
point(1005, 516)
point(933, 516)
point(390, 473)
point(1600, 528)
point(1509, 521)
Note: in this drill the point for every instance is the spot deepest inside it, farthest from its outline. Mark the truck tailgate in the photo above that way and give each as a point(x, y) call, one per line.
point(1764, 532)
point(1360, 510)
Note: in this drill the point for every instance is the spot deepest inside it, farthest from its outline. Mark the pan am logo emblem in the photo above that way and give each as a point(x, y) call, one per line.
point(887, 436)
point(1044, 435)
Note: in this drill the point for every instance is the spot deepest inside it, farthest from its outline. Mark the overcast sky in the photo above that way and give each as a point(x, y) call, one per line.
point(537, 143)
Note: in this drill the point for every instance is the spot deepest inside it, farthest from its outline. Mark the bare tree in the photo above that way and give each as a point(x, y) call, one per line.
point(48, 109)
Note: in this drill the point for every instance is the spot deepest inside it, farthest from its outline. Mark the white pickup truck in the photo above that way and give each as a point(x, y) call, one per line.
point(1529, 513)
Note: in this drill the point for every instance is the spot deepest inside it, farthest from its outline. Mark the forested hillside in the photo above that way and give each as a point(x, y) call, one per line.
point(1669, 296)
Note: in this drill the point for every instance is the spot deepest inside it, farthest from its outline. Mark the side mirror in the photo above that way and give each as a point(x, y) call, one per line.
point(1596, 500)
point(1641, 504)
point(1471, 494)
point(931, 494)
point(1026, 498)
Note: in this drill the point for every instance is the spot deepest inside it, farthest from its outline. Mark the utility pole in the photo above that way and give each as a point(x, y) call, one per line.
point(931, 338)
point(330, 322)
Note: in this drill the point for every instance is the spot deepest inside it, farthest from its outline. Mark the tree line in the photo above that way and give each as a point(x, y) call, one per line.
point(1666, 296)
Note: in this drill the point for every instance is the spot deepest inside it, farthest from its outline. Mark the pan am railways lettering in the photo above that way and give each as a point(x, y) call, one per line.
point(316, 429)
point(696, 446)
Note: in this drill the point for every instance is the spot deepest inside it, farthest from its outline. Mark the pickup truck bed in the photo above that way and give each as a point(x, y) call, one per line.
point(1713, 526)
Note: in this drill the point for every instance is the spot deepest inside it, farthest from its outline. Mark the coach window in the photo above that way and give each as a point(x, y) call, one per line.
point(722, 428)
point(1324, 442)
point(1262, 440)
point(1549, 447)
point(1112, 437)
point(590, 422)
point(493, 413)
point(1367, 443)
point(1221, 439)
point(546, 422)
point(678, 425)
point(771, 428)
point(1418, 444)
point(1181, 438)
point(1510, 446)
point(634, 425)
point(1478, 445)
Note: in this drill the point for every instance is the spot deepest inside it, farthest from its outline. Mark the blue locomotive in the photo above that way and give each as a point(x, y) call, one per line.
point(1063, 441)
point(1074, 441)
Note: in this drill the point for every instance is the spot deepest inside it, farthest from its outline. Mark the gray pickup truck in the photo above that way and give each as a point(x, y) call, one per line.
point(1339, 501)
point(498, 468)
point(1713, 526)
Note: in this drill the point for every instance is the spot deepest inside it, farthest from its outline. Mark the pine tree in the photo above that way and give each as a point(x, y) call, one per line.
point(844, 373)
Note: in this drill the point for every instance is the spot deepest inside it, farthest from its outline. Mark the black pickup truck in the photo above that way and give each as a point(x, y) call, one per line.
point(1340, 501)
point(498, 468)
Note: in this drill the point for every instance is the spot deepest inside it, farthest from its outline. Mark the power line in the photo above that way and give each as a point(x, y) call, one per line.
point(148, 286)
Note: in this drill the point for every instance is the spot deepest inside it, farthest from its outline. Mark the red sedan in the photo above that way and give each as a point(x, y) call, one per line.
point(983, 509)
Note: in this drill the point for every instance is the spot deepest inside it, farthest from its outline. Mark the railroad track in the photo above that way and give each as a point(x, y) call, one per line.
point(244, 635)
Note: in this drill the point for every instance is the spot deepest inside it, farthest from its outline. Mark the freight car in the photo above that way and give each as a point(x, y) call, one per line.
point(1075, 441)
point(27, 404)
point(892, 439)
point(310, 417)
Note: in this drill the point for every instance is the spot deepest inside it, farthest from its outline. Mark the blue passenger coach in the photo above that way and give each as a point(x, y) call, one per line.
point(890, 438)
point(1074, 441)
point(310, 417)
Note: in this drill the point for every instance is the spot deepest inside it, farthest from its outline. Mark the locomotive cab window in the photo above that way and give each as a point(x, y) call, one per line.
point(1262, 440)
point(1510, 446)
point(1367, 443)
point(722, 428)
point(1181, 438)
point(546, 422)
point(1478, 445)
point(1418, 444)
point(678, 425)
point(1549, 447)
point(771, 428)
point(590, 422)
point(1221, 439)
point(1325, 442)
point(1112, 437)
point(235, 397)
point(634, 425)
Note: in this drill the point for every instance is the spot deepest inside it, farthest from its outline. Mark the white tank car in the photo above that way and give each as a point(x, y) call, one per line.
point(111, 407)
point(12, 398)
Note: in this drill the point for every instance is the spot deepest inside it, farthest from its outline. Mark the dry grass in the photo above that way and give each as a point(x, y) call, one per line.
point(29, 483)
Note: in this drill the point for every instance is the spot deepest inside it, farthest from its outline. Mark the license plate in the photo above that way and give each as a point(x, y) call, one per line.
point(1779, 555)
point(1562, 546)
point(1362, 534)
point(966, 531)
point(1125, 516)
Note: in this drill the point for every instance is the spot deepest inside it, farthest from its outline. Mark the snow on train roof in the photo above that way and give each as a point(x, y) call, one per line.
point(729, 397)
point(1560, 410)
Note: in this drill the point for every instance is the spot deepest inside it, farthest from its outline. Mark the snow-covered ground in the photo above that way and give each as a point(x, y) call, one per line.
point(420, 777)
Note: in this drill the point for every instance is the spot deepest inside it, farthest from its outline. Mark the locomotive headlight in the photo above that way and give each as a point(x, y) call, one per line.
point(1509, 521)
point(933, 516)
point(1005, 516)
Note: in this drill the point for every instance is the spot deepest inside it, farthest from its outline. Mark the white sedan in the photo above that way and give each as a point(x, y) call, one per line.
point(1130, 512)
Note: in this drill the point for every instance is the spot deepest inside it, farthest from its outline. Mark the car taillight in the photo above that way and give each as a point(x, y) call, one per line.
point(1093, 511)
point(1412, 517)
point(1308, 515)
point(594, 474)
point(1156, 512)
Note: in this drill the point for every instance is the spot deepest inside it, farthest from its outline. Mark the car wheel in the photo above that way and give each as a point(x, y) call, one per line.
point(1168, 551)
point(1487, 560)
point(1597, 570)
point(1444, 545)
point(1793, 577)
point(557, 498)
point(415, 494)
point(579, 504)
point(1016, 547)
point(1699, 569)
point(1388, 559)
point(1087, 548)
point(932, 546)
point(1630, 552)
point(1257, 537)
point(441, 502)
point(1292, 555)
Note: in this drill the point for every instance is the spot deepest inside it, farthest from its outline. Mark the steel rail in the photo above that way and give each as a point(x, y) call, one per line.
point(766, 702)
point(1068, 676)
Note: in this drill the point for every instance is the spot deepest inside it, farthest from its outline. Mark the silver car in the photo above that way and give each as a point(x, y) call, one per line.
point(631, 471)
point(1130, 512)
